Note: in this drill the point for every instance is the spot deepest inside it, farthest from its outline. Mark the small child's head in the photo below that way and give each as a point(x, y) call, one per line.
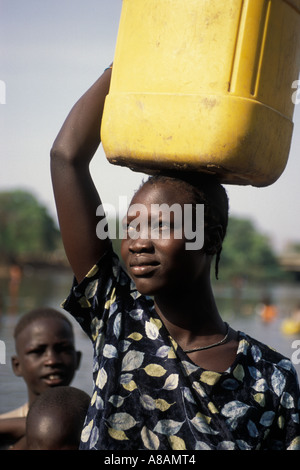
point(55, 419)
point(45, 351)
point(175, 190)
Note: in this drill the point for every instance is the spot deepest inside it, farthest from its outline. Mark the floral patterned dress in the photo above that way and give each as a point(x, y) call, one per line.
point(148, 394)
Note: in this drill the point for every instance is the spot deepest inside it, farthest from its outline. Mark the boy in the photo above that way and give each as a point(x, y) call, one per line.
point(45, 357)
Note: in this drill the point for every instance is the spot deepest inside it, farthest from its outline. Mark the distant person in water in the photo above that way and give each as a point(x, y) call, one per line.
point(268, 312)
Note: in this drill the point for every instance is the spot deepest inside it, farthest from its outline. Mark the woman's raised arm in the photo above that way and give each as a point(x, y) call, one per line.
point(75, 194)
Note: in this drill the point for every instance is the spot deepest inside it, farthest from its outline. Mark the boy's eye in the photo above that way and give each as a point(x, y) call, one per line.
point(40, 350)
point(37, 351)
point(68, 348)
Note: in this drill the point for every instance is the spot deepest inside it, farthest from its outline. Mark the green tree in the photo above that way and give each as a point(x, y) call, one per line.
point(26, 228)
point(247, 253)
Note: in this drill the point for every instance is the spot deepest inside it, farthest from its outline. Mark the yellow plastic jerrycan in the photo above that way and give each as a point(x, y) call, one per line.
point(204, 85)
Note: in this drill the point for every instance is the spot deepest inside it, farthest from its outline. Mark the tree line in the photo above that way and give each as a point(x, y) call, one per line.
point(29, 232)
point(26, 228)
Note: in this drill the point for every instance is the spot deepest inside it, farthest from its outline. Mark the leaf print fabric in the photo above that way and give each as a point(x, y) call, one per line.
point(148, 394)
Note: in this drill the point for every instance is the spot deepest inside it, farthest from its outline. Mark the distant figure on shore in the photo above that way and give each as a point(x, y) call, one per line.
point(15, 277)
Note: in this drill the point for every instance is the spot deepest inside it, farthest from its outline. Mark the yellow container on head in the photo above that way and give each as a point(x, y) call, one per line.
point(204, 85)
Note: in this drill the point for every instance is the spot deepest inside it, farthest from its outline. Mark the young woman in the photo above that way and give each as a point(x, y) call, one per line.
point(168, 372)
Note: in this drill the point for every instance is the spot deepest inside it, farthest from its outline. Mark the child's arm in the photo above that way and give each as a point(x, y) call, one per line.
point(11, 430)
point(75, 194)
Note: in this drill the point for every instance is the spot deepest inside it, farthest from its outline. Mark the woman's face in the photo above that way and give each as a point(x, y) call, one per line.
point(154, 245)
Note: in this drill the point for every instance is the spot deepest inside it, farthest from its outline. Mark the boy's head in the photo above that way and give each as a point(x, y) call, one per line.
point(45, 351)
point(56, 418)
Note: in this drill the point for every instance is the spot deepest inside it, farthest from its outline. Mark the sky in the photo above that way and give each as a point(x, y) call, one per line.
point(51, 51)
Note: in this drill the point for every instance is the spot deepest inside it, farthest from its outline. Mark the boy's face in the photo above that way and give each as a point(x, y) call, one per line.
point(46, 356)
point(159, 264)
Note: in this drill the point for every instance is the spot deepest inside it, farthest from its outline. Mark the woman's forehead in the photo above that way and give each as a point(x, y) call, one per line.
point(162, 192)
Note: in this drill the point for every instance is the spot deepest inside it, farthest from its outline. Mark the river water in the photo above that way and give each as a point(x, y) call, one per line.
point(238, 304)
